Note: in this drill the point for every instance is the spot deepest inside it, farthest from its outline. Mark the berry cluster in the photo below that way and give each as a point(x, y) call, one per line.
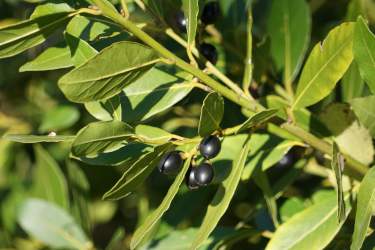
point(210, 14)
point(197, 176)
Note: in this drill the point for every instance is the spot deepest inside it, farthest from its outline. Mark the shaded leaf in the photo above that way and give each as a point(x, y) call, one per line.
point(364, 52)
point(326, 64)
point(38, 138)
point(337, 165)
point(106, 74)
point(313, 228)
point(50, 59)
point(352, 83)
point(365, 201)
point(211, 114)
point(222, 198)
point(51, 225)
point(258, 119)
point(152, 219)
point(149, 134)
point(49, 182)
point(136, 174)
point(289, 28)
point(19, 37)
point(352, 138)
point(364, 108)
point(155, 92)
point(98, 137)
point(80, 50)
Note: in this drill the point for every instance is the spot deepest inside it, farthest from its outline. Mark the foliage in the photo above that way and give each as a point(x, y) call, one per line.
point(95, 93)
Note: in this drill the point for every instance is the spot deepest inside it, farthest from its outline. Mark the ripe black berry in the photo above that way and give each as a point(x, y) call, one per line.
point(180, 22)
point(210, 147)
point(286, 161)
point(209, 52)
point(210, 13)
point(170, 163)
point(203, 174)
point(191, 183)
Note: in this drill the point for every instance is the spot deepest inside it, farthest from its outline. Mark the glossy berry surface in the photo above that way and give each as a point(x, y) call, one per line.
point(170, 163)
point(180, 22)
point(191, 183)
point(210, 13)
point(210, 147)
point(204, 174)
point(209, 52)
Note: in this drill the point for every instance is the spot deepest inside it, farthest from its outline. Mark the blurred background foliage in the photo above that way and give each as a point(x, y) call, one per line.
point(32, 104)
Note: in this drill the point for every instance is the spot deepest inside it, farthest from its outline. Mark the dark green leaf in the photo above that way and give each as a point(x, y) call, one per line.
point(51, 225)
point(19, 37)
point(155, 216)
point(99, 137)
point(211, 114)
point(152, 135)
point(80, 50)
point(191, 10)
point(364, 52)
point(136, 174)
point(352, 83)
point(106, 74)
point(289, 28)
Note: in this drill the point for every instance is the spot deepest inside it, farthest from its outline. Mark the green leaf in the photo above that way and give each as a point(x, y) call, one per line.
point(49, 182)
point(38, 138)
point(80, 50)
point(50, 59)
point(312, 229)
point(364, 211)
point(289, 29)
point(261, 179)
point(257, 119)
point(79, 187)
point(291, 207)
point(152, 135)
point(338, 165)
point(326, 64)
point(222, 198)
point(351, 137)
point(50, 8)
point(191, 10)
point(59, 118)
point(364, 52)
point(155, 92)
point(19, 37)
point(352, 83)
point(136, 174)
point(51, 225)
point(106, 74)
point(364, 108)
point(98, 137)
point(211, 114)
point(152, 219)
point(116, 241)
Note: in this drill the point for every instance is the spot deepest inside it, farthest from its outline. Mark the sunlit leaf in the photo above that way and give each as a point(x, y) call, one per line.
point(364, 108)
point(337, 165)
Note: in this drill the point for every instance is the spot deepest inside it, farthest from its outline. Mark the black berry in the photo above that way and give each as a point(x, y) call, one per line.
point(180, 21)
point(210, 13)
point(204, 174)
point(170, 163)
point(210, 147)
point(286, 161)
point(191, 183)
point(209, 52)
